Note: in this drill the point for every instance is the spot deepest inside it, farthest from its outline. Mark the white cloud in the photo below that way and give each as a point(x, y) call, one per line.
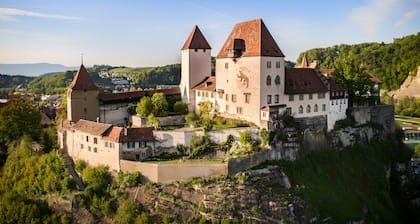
point(371, 16)
point(407, 17)
point(9, 14)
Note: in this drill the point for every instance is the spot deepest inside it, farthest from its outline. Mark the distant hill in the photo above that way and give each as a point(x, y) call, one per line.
point(35, 69)
point(391, 62)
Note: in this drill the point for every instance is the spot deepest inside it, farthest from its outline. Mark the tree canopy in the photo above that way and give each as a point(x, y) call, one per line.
point(391, 63)
point(20, 116)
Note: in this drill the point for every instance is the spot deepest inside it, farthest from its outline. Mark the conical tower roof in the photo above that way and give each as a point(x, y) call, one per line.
point(196, 40)
point(304, 62)
point(258, 40)
point(82, 80)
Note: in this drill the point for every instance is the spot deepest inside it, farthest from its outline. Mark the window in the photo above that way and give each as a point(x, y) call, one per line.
point(247, 97)
point(89, 148)
point(87, 138)
point(227, 97)
point(301, 97)
point(268, 99)
point(277, 80)
point(276, 98)
point(239, 110)
point(268, 64)
point(195, 50)
point(128, 145)
point(198, 93)
point(233, 97)
point(204, 50)
point(289, 111)
point(308, 109)
point(81, 146)
point(300, 109)
point(310, 96)
point(226, 65)
point(220, 95)
point(206, 94)
point(264, 114)
point(268, 81)
point(332, 102)
point(316, 108)
point(95, 149)
point(211, 95)
point(321, 95)
point(324, 107)
point(95, 140)
point(227, 108)
point(291, 98)
point(277, 64)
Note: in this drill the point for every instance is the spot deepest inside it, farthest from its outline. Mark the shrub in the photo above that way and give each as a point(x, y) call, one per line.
point(153, 121)
point(80, 165)
point(180, 107)
point(192, 119)
point(129, 179)
point(160, 105)
point(265, 137)
point(245, 137)
point(126, 212)
point(199, 146)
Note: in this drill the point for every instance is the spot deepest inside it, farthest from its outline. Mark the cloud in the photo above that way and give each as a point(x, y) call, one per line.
point(9, 14)
point(370, 17)
point(407, 17)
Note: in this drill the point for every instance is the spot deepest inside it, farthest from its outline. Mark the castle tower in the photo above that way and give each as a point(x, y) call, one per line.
point(82, 97)
point(250, 73)
point(196, 65)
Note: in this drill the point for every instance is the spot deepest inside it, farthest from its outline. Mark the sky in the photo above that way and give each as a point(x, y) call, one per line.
point(151, 33)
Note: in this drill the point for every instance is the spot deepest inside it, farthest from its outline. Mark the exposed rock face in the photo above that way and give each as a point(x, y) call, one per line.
point(261, 196)
point(410, 87)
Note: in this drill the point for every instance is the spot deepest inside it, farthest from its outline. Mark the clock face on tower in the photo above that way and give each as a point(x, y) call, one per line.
point(242, 78)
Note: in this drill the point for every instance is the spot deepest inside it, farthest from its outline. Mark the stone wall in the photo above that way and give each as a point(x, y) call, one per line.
point(163, 121)
point(316, 123)
point(220, 136)
point(236, 165)
point(381, 114)
point(168, 139)
point(167, 173)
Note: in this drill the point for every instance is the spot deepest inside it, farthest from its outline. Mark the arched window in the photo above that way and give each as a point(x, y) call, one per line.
point(308, 109)
point(277, 80)
point(301, 109)
point(268, 80)
point(316, 108)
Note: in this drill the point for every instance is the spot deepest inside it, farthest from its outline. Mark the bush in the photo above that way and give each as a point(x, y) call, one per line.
point(144, 107)
point(129, 179)
point(180, 107)
point(199, 146)
point(192, 119)
point(160, 105)
point(265, 137)
point(245, 137)
point(80, 165)
point(97, 179)
point(126, 212)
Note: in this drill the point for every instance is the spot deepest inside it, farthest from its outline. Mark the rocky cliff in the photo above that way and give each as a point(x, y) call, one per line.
point(410, 87)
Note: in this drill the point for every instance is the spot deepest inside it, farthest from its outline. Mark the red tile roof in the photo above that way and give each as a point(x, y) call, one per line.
point(334, 86)
point(303, 80)
point(256, 38)
point(196, 40)
point(134, 96)
point(208, 83)
point(327, 71)
point(113, 134)
point(137, 134)
point(82, 80)
point(91, 127)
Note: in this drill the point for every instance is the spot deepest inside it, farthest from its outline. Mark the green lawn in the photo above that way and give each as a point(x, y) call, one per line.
point(405, 119)
point(189, 161)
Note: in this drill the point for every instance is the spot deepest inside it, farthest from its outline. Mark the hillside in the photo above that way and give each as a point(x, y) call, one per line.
point(12, 82)
point(392, 62)
point(34, 69)
point(410, 87)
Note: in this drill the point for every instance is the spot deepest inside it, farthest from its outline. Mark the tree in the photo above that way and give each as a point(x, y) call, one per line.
point(180, 107)
point(19, 117)
point(160, 105)
point(192, 119)
point(153, 121)
point(265, 137)
point(144, 107)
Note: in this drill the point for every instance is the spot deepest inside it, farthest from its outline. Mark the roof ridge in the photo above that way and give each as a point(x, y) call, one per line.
point(82, 80)
point(196, 40)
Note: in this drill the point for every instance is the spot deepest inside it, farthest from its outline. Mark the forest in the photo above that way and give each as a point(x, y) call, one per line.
point(391, 63)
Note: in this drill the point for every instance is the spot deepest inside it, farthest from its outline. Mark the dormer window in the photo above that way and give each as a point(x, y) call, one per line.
point(238, 48)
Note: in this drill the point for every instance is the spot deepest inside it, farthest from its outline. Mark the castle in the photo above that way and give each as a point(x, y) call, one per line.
point(251, 82)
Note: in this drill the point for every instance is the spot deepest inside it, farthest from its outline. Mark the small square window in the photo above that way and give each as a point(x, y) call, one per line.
point(268, 99)
point(227, 97)
point(301, 97)
point(247, 97)
point(277, 64)
point(227, 108)
point(89, 148)
point(87, 138)
point(95, 149)
point(239, 110)
point(291, 98)
point(268, 64)
point(81, 146)
point(95, 140)
point(233, 98)
point(226, 65)
point(310, 96)
point(276, 98)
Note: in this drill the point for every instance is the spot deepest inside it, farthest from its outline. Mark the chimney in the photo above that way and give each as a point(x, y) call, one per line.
point(97, 119)
point(125, 131)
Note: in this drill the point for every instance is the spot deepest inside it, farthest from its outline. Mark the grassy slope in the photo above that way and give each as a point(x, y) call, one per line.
point(341, 184)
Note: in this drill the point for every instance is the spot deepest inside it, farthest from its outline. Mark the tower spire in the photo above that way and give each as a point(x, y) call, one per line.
point(81, 55)
point(304, 63)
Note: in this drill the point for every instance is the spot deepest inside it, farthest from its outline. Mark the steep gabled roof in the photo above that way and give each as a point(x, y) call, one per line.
point(208, 83)
point(303, 80)
point(137, 134)
point(91, 127)
point(257, 40)
point(304, 62)
point(82, 80)
point(196, 40)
